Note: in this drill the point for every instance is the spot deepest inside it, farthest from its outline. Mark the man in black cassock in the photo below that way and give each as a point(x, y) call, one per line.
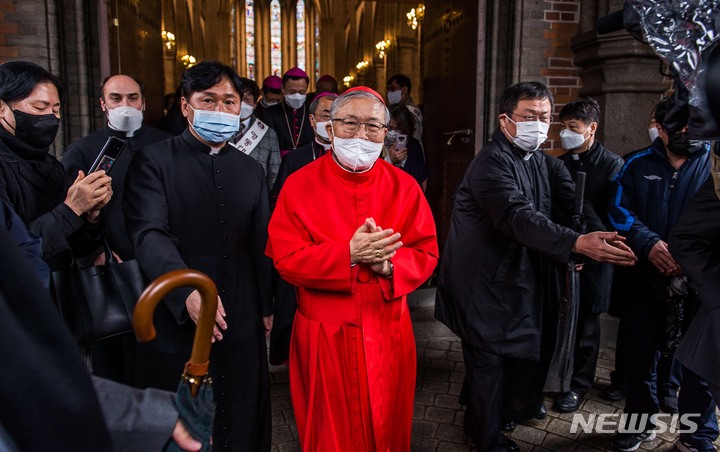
point(319, 118)
point(585, 153)
point(289, 118)
point(123, 103)
point(194, 201)
point(493, 285)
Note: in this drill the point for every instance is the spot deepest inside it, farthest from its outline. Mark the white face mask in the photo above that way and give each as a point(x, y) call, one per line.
point(570, 140)
point(529, 134)
point(321, 130)
point(295, 100)
point(653, 133)
point(356, 153)
point(394, 97)
point(267, 103)
point(246, 110)
point(125, 119)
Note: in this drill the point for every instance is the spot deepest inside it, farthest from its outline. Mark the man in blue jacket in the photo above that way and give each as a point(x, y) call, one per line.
point(651, 191)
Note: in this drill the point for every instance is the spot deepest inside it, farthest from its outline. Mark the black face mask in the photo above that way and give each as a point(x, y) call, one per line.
point(38, 131)
point(679, 144)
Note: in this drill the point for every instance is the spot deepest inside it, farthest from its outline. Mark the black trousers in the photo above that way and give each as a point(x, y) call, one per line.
point(498, 387)
point(641, 327)
point(696, 399)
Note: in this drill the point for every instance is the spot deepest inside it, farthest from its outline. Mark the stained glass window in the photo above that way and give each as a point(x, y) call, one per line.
point(300, 21)
point(250, 38)
point(275, 39)
point(317, 45)
point(233, 36)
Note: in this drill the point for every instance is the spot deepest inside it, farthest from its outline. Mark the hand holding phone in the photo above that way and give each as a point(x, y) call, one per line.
point(401, 142)
point(108, 155)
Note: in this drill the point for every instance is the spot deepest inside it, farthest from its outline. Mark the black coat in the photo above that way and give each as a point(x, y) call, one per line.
point(284, 120)
point(36, 190)
point(600, 166)
point(491, 285)
point(695, 245)
point(47, 400)
point(186, 208)
point(415, 163)
point(80, 156)
point(292, 162)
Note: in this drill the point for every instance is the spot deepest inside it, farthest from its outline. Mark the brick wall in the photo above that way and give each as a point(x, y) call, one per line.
point(7, 28)
point(562, 76)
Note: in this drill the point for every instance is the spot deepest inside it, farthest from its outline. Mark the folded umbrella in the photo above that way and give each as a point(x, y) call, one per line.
point(561, 365)
point(194, 398)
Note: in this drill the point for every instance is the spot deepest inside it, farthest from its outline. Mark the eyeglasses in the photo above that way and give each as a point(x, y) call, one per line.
point(351, 127)
point(546, 119)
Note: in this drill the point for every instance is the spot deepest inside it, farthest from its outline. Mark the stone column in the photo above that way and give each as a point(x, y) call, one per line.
point(327, 49)
point(622, 74)
point(379, 69)
point(406, 60)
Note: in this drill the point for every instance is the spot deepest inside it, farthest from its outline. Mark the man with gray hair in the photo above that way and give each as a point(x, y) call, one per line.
point(354, 254)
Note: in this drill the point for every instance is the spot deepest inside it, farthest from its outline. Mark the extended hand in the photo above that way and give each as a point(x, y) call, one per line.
point(661, 258)
point(192, 303)
point(605, 247)
point(372, 245)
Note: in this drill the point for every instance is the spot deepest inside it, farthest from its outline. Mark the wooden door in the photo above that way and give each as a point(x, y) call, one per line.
point(450, 99)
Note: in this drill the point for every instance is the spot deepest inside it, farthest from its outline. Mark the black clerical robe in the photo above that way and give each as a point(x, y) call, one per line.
point(80, 156)
point(291, 125)
point(293, 162)
point(187, 208)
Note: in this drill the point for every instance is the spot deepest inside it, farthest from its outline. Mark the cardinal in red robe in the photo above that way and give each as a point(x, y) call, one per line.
point(355, 235)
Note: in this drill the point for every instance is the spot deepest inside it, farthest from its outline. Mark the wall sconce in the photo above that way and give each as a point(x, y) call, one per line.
point(362, 65)
point(415, 16)
point(381, 46)
point(168, 41)
point(188, 61)
point(347, 80)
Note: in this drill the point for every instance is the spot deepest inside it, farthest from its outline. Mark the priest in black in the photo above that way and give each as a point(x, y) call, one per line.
point(494, 288)
point(318, 118)
point(289, 118)
point(123, 103)
point(194, 201)
point(285, 298)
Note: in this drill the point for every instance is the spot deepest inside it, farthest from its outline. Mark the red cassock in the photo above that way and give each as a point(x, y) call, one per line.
point(352, 353)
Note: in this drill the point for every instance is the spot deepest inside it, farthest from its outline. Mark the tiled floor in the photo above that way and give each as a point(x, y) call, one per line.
point(437, 424)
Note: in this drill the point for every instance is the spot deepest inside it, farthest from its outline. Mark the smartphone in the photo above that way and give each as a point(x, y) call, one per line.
point(401, 142)
point(108, 155)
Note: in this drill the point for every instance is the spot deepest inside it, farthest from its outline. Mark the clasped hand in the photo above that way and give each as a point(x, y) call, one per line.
point(375, 246)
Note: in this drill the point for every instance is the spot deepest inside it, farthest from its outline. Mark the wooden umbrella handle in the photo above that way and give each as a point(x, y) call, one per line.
point(157, 290)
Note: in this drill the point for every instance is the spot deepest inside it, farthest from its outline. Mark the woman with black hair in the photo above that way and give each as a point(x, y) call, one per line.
point(401, 148)
point(32, 180)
